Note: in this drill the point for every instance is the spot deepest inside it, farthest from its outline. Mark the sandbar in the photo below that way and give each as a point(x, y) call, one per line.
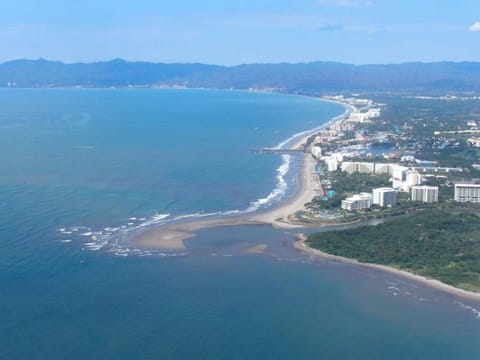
point(257, 249)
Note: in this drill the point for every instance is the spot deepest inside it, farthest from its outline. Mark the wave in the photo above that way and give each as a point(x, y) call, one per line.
point(474, 311)
point(282, 186)
point(279, 191)
point(204, 214)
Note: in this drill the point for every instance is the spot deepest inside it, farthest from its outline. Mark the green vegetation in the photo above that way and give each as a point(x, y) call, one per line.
point(345, 185)
point(432, 129)
point(438, 243)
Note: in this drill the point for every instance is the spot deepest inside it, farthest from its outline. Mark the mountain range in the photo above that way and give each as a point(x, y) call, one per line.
point(313, 76)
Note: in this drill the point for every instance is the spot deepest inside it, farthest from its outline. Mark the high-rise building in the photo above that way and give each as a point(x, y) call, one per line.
point(332, 163)
point(385, 196)
point(360, 167)
point(467, 193)
point(413, 178)
point(316, 151)
point(357, 202)
point(399, 172)
point(425, 193)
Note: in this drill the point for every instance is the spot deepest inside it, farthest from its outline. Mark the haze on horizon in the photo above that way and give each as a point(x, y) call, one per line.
point(232, 32)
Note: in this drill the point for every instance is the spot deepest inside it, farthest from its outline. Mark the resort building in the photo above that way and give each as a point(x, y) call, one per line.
point(399, 173)
point(427, 194)
point(331, 163)
point(360, 167)
point(316, 151)
point(384, 196)
point(413, 178)
point(467, 193)
point(404, 179)
point(383, 168)
point(357, 202)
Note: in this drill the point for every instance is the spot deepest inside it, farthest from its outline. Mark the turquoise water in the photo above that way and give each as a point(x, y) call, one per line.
point(99, 160)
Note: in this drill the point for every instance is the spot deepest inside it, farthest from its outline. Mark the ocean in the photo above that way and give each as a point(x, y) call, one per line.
point(81, 170)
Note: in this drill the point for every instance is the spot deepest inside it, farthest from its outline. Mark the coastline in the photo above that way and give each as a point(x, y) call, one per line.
point(436, 284)
point(171, 236)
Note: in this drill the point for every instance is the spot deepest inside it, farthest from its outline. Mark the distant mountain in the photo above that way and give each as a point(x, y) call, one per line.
point(315, 76)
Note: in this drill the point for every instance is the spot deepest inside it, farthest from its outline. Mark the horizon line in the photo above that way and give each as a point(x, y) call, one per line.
point(240, 64)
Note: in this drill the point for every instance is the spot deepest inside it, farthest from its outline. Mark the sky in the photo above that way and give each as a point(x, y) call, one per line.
point(234, 32)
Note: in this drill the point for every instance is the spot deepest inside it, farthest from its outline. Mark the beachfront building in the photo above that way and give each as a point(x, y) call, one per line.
point(467, 193)
point(413, 178)
point(384, 196)
point(383, 168)
point(427, 194)
point(399, 173)
point(403, 179)
point(316, 151)
point(360, 201)
point(332, 163)
point(360, 167)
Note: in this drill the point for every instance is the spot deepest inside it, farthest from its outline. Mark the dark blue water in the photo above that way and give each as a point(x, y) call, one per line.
point(103, 159)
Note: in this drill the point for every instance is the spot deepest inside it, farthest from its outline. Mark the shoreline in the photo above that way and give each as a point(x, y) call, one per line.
point(171, 236)
point(301, 245)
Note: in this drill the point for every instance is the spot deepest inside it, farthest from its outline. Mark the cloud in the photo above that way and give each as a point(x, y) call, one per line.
point(475, 26)
point(330, 27)
point(346, 3)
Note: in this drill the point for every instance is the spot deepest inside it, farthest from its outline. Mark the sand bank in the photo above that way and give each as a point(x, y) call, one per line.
point(257, 249)
point(301, 245)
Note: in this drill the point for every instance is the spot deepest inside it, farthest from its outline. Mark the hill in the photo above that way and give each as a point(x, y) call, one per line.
point(315, 76)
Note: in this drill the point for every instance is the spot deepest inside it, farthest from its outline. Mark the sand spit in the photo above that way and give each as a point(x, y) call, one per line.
point(171, 236)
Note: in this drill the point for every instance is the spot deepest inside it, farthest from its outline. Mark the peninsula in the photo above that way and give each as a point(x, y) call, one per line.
point(363, 166)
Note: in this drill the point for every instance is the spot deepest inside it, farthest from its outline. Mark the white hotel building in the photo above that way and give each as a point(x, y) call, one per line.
point(357, 202)
point(467, 193)
point(426, 194)
point(385, 196)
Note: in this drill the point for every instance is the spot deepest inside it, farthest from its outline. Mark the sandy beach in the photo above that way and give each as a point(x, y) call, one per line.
point(302, 246)
point(171, 236)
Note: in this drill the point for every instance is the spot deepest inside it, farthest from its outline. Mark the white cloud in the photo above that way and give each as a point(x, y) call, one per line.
point(475, 26)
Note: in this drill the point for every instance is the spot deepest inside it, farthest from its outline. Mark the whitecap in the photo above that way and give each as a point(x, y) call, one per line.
point(279, 190)
point(111, 229)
